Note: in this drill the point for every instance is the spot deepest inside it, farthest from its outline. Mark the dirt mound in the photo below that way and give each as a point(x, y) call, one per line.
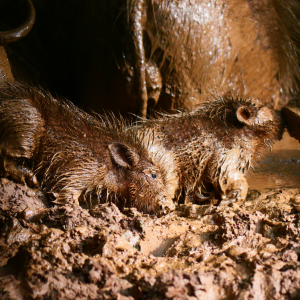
point(198, 252)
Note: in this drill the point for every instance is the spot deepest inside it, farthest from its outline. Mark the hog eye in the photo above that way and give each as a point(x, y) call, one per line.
point(153, 175)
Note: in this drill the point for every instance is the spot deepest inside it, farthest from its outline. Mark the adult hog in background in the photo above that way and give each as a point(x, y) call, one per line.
point(75, 156)
point(242, 48)
point(209, 150)
point(163, 54)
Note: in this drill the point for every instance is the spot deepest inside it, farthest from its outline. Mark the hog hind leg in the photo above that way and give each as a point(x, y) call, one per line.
point(136, 19)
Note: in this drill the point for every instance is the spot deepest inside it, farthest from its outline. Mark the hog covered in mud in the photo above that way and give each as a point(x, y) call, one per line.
point(75, 156)
point(243, 48)
point(164, 54)
point(208, 151)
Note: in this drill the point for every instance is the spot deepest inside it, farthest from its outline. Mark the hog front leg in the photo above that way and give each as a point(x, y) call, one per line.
point(234, 187)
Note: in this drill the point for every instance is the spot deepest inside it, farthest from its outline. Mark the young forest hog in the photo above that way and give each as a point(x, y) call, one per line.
point(75, 156)
point(208, 151)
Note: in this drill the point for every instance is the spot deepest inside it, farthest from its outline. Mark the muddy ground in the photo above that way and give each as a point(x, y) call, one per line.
point(250, 251)
point(279, 167)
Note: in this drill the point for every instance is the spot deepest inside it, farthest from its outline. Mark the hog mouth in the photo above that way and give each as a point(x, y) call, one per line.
point(92, 199)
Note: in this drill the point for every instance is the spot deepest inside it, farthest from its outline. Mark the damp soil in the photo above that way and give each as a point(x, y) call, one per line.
point(280, 168)
point(250, 251)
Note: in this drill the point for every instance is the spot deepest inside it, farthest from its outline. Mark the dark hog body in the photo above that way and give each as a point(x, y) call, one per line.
point(75, 156)
point(164, 54)
point(239, 48)
point(208, 151)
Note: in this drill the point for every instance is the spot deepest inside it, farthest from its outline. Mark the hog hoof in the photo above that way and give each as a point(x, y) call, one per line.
point(165, 207)
point(16, 169)
point(234, 189)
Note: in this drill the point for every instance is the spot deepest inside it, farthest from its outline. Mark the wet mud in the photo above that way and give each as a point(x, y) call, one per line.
point(249, 251)
point(280, 168)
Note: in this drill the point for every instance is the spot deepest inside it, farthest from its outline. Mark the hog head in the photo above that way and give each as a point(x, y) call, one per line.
point(138, 180)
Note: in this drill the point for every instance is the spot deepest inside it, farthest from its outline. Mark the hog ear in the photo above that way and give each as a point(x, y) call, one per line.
point(244, 115)
point(123, 155)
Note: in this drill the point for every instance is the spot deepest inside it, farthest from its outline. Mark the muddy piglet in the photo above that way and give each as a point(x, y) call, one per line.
point(75, 156)
point(207, 152)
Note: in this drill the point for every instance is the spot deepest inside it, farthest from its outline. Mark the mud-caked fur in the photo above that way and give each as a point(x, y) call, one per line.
point(73, 155)
point(208, 151)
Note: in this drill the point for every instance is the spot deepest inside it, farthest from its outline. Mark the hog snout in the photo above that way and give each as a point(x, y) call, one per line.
point(165, 206)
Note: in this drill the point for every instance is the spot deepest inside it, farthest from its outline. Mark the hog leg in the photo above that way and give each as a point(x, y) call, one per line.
point(231, 183)
point(18, 171)
point(137, 15)
point(234, 187)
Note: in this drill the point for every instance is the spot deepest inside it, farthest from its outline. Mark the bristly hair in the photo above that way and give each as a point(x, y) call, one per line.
point(72, 156)
point(69, 116)
point(217, 107)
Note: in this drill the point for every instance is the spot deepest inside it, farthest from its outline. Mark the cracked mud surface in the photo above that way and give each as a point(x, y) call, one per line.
point(250, 251)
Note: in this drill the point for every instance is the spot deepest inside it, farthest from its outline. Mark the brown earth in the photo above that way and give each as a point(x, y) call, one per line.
point(198, 252)
point(279, 168)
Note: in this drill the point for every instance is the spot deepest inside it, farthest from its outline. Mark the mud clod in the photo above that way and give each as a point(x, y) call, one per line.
point(197, 252)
